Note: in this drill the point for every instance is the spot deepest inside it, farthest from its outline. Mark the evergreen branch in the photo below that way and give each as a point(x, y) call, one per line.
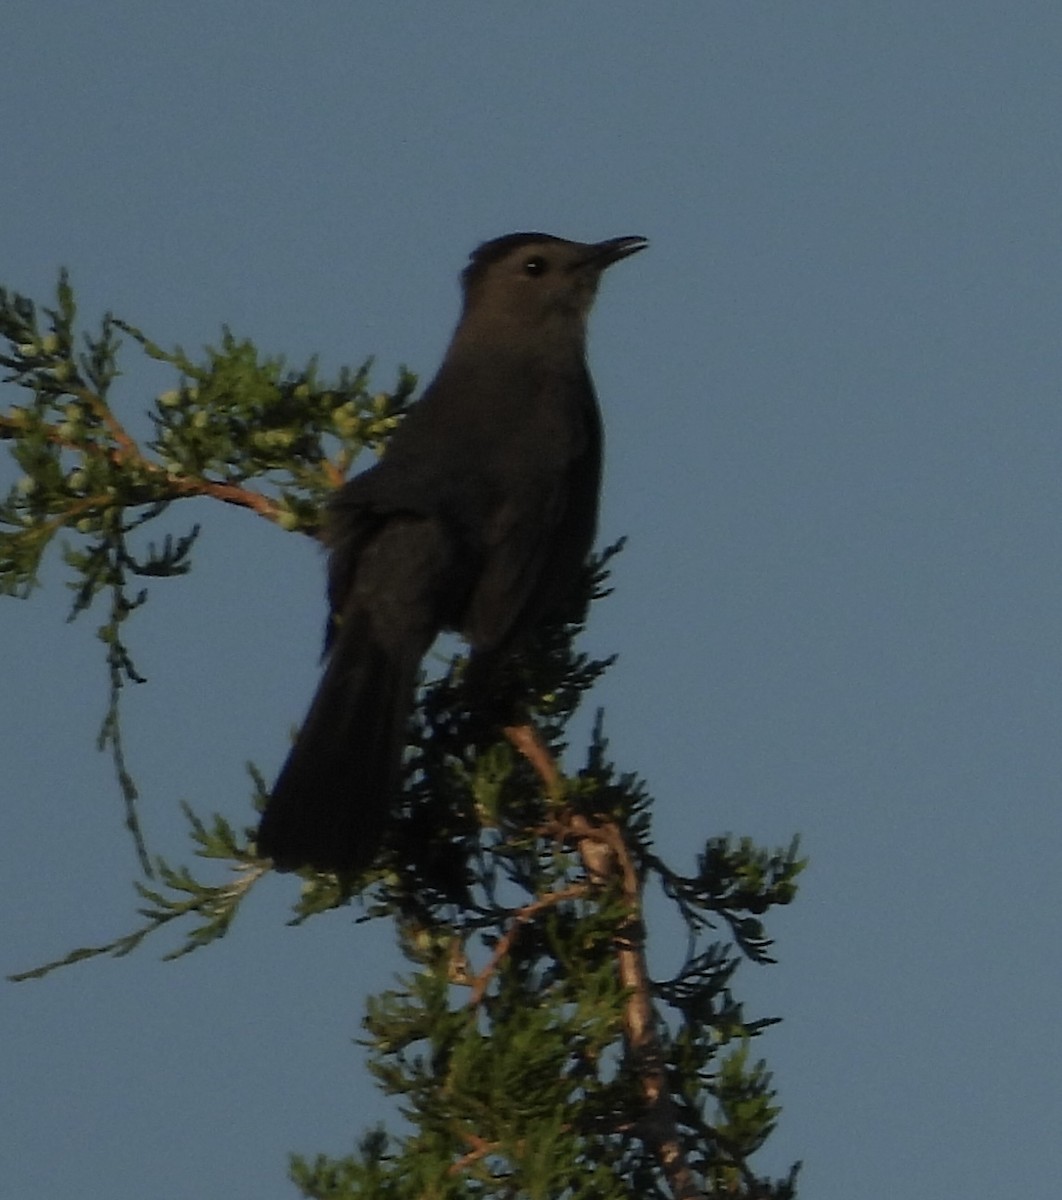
point(158, 483)
point(519, 919)
point(528, 741)
point(608, 860)
point(95, 403)
point(227, 493)
point(563, 1070)
point(110, 734)
point(481, 1148)
point(235, 418)
point(608, 863)
point(215, 905)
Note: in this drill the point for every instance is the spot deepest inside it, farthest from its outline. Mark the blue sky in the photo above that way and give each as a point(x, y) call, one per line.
point(831, 398)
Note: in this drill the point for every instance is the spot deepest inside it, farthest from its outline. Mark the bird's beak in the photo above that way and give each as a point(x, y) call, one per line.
point(604, 254)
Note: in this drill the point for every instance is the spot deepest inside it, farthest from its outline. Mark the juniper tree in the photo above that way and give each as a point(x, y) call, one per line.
point(528, 1044)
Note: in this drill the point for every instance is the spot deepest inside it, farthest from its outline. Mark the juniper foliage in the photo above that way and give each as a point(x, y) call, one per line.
point(527, 1044)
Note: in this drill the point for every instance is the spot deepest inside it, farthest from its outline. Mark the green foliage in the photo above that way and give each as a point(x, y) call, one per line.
point(231, 420)
point(527, 1047)
point(213, 906)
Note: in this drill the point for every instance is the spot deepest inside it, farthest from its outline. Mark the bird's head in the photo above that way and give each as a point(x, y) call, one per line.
point(534, 281)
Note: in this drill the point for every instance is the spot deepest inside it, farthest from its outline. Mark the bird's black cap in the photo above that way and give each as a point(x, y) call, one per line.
point(597, 254)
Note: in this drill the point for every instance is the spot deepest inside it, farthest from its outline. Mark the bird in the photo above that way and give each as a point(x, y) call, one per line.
point(478, 519)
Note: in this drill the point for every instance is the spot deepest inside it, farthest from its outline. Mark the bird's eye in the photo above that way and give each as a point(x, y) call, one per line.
point(535, 265)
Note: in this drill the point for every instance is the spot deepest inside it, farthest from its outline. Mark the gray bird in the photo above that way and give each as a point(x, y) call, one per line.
point(478, 519)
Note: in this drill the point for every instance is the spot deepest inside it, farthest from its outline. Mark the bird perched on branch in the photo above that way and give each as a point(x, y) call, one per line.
point(478, 519)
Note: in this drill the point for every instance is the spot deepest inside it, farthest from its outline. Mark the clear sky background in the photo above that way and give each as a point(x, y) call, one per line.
point(831, 391)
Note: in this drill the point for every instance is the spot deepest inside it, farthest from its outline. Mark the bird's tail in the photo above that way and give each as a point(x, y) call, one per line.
point(329, 805)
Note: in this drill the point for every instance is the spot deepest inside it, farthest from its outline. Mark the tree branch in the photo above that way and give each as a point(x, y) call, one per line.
point(607, 857)
point(126, 452)
point(520, 918)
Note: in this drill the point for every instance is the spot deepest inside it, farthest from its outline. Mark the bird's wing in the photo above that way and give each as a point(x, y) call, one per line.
point(516, 581)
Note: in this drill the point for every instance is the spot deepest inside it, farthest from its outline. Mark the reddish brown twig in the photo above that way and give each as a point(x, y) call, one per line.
point(228, 493)
point(125, 451)
point(520, 918)
point(480, 1149)
point(126, 444)
point(528, 741)
point(607, 857)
